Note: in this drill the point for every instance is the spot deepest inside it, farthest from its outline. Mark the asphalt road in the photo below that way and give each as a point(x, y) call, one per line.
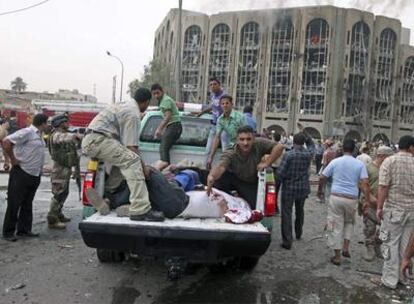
point(58, 268)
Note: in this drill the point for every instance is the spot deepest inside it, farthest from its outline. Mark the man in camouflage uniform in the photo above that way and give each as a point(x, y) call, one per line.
point(113, 137)
point(63, 149)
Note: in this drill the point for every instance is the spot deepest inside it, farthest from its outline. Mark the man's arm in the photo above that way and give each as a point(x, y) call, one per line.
point(206, 110)
point(409, 253)
point(276, 152)
point(164, 122)
point(321, 185)
point(8, 151)
point(382, 195)
point(215, 173)
point(214, 146)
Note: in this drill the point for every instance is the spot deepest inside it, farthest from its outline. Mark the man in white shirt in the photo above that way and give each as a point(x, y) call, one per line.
point(25, 148)
point(364, 156)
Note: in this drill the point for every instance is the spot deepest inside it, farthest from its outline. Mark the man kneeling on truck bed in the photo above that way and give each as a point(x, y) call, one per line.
point(238, 167)
point(112, 137)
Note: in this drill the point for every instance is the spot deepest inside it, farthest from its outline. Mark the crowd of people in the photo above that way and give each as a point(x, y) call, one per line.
point(373, 178)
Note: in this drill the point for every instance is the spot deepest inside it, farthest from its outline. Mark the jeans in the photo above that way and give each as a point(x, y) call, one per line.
point(287, 208)
point(225, 142)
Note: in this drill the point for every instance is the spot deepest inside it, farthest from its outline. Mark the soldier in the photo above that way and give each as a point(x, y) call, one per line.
point(63, 149)
point(113, 137)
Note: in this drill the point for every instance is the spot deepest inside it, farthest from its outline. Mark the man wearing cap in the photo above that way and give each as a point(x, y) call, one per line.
point(369, 209)
point(63, 150)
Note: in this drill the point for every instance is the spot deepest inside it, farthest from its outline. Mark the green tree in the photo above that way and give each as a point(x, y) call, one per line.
point(18, 85)
point(154, 72)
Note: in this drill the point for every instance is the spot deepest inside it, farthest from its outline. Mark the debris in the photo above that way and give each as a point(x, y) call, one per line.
point(15, 287)
point(65, 246)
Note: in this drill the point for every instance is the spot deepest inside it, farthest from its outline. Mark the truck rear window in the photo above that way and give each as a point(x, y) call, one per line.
point(195, 131)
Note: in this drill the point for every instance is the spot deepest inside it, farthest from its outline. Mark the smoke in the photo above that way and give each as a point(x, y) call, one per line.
point(391, 8)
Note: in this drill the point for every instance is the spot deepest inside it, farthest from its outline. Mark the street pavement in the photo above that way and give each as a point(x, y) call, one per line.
point(57, 267)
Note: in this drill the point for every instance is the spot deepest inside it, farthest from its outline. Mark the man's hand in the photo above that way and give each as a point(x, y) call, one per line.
point(406, 265)
point(15, 162)
point(77, 136)
point(379, 214)
point(158, 133)
point(262, 165)
point(365, 207)
point(321, 195)
point(210, 183)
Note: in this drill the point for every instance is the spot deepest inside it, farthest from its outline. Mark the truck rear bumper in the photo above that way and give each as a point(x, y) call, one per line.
point(192, 244)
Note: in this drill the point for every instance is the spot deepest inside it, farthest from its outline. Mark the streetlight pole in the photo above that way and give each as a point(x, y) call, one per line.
point(122, 72)
point(179, 45)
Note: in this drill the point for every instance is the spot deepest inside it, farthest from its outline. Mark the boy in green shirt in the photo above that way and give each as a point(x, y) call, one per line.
point(170, 128)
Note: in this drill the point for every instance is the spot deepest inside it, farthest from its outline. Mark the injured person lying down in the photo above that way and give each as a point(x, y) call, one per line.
point(167, 194)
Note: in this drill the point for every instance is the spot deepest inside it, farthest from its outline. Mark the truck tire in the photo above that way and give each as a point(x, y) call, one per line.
point(248, 262)
point(109, 256)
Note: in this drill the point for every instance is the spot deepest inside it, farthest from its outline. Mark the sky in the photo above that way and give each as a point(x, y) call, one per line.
point(62, 44)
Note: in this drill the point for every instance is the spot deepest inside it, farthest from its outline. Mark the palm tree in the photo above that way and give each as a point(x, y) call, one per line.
point(18, 85)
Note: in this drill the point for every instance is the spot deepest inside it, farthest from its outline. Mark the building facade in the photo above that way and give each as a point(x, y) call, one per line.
point(342, 72)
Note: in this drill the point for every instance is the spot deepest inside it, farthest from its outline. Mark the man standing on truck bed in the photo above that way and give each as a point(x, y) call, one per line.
point(170, 127)
point(63, 150)
point(238, 166)
point(230, 121)
point(113, 137)
point(216, 92)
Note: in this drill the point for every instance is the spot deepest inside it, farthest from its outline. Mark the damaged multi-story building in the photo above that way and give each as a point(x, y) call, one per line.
point(341, 72)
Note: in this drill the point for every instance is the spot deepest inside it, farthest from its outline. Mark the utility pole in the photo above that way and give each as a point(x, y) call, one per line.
point(113, 89)
point(122, 72)
point(178, 58)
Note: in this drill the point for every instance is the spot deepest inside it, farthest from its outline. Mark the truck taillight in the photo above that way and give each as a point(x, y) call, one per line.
point(88, 182)
point(270, 200)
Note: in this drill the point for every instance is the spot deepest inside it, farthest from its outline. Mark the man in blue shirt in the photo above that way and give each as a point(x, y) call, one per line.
point(216, 92)
point(293, 173)
point(347, 174)
point(248, 114)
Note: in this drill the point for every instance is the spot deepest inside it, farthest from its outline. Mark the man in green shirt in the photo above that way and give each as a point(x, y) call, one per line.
point(371, 232)
point(230, 121)
point(170, 128)
point(238, 166)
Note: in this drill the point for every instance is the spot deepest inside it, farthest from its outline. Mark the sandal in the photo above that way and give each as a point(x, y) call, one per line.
point(335, 261)
point(346, 254)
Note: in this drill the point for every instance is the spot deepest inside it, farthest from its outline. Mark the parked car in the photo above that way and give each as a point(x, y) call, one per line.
point(179, 241)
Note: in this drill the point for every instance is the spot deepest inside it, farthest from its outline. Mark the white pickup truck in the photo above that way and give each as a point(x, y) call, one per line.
point(179, 241)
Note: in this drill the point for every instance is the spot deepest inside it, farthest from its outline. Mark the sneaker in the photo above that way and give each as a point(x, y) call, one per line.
point(150, 216)
point(57, 225)
point(98, 202)
point(9, 238)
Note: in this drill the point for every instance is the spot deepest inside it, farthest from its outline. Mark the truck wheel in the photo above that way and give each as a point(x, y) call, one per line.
point(248, 263)
point(109, 256)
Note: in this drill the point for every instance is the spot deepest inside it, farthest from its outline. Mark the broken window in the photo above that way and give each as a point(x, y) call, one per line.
point(191, 63)
point(407, 95)
point(384, 73)
point(315, 67)
point(219, 53)
point(357, 87)
point(280, 67)
point(247, 71)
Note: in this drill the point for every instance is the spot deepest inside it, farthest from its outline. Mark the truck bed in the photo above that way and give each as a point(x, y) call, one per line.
point(194, 239)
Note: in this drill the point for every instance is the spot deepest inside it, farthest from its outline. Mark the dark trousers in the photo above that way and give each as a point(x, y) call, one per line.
point(287, 207)
point(171, 134)
point(318, 162)
point(229, 182)
point(20, 194)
